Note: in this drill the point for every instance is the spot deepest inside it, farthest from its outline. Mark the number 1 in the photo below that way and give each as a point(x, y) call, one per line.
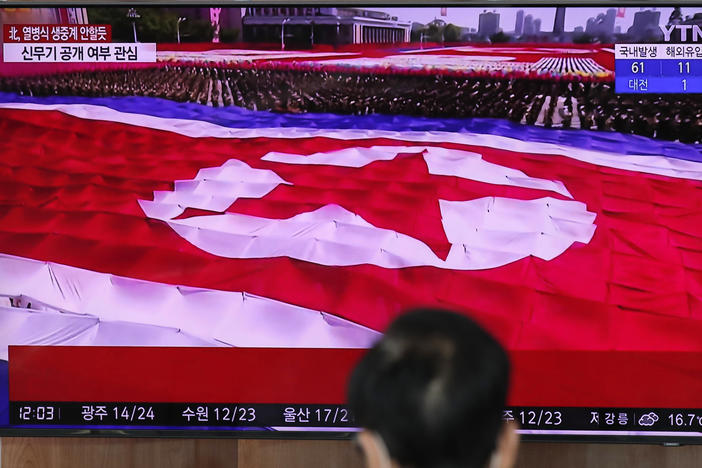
point(684, 85)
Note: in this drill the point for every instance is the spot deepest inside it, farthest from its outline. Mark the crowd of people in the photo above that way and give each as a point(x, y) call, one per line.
point(551, 103)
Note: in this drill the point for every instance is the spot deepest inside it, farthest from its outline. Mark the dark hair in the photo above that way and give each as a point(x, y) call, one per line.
point(433, 388)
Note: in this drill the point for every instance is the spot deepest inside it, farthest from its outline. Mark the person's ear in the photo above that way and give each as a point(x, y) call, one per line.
point(375, 450)
point(505, 455)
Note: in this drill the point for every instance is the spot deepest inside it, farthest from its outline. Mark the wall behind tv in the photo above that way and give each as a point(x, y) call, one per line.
point(229, 453)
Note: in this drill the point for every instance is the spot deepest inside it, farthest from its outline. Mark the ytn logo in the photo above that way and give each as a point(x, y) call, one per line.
point(694, 31)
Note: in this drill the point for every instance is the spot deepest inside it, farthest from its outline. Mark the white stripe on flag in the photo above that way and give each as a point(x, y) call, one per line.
point(74, 306)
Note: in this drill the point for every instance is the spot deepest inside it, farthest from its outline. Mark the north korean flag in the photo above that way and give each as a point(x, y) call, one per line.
point(180, 224)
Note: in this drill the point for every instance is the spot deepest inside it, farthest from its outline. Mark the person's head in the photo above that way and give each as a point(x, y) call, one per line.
point(430, 394)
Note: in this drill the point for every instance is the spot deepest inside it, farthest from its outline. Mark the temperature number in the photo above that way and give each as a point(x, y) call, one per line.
point(689, 419)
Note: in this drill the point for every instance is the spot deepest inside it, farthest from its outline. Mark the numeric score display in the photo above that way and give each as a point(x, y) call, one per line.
point(658, 68)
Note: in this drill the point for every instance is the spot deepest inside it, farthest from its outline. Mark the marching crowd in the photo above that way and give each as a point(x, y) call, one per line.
point(550, 103)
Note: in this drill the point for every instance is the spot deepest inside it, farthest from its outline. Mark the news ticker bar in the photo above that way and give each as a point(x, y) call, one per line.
point(178, 414)
point(82, 52)
point(57, 33)
point(99, 414)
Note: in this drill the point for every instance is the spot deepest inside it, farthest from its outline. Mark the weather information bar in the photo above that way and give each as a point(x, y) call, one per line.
point(101, 414)
point(194, 415)
point(658, 68)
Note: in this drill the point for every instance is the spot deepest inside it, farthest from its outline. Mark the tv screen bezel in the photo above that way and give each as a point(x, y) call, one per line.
point(527, 435)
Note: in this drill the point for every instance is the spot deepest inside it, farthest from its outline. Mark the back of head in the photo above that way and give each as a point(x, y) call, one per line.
point(433, 388)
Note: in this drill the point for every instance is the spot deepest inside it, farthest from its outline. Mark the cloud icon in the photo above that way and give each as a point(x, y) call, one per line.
point(648, 419)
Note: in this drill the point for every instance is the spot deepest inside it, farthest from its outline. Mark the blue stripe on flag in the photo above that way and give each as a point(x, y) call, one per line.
point(236, 117)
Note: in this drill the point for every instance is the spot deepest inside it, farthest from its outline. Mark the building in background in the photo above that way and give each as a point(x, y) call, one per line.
point(308, 26)
point(602, 25)
point(488, 23)
point(519, 23)
point(645, 26)
point(590, 26)
point(559, 21)
point(528, 25)
point(537, 26)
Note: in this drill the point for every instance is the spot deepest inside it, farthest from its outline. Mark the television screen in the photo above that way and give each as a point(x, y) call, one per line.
point(208, 213)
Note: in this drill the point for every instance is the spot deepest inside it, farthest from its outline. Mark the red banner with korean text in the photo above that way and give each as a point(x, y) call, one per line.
point(20, 33)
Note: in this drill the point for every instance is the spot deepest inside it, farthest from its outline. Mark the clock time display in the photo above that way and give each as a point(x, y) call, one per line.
point(37, 413)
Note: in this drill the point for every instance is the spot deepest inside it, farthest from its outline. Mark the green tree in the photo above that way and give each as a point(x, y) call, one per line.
point(433, 33)
point(153, 25)
point(117, 18)
point(157, 26)
point(452, 33)
point(416, 35)
point(197, 31)
point(582, 38)
point(500, 37)
point(228, 35)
